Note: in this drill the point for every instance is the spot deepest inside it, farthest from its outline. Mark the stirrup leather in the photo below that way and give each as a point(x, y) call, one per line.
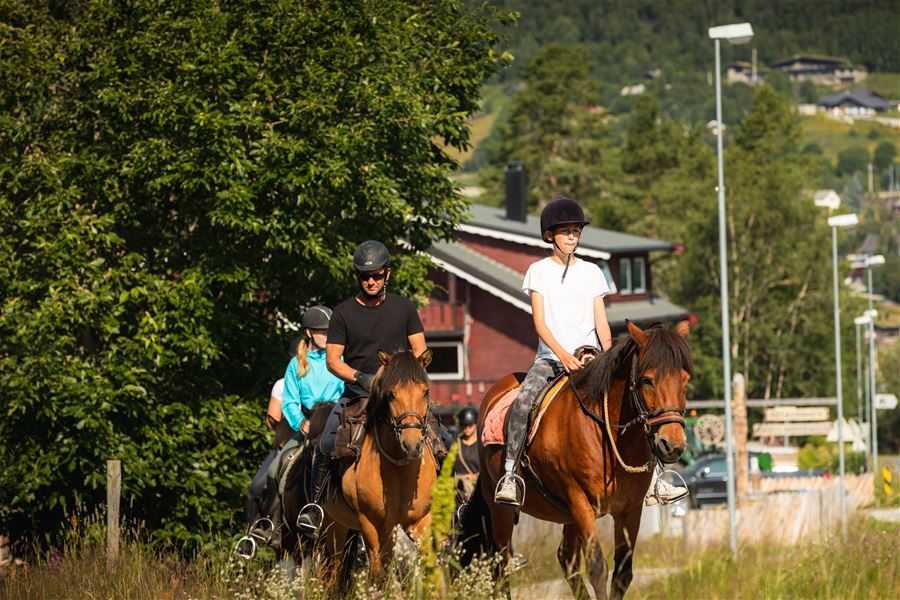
point(520, 489)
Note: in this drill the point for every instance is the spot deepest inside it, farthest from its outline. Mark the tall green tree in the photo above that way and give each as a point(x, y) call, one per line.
point(179, 175)
point(556, 128)
point(779, 259)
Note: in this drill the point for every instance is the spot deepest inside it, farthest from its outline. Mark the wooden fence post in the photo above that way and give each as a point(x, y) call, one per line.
point(113, 495)
point(741, 458)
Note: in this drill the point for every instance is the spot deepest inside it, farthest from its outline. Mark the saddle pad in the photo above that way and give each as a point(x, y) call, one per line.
point(492, 433)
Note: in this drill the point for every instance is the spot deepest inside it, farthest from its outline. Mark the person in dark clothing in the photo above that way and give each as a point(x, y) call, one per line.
point(370, 321)
point(465, 467)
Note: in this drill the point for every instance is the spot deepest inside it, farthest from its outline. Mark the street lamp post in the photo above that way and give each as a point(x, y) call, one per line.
point(863, 323)
point(848, 220)
point(874, 260)
point(739, 33)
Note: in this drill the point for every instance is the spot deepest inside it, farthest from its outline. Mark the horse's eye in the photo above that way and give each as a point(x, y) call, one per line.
point(646, 381)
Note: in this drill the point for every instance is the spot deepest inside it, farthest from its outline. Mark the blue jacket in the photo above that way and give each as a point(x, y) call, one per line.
point(318, 385)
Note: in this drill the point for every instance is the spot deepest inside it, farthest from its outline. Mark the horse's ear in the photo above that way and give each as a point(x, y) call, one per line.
point(637, 334)
point(683, 328)
point(425, 358)
point(384, 357)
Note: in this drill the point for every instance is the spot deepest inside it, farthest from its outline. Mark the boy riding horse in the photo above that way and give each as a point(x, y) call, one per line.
point(568, 310)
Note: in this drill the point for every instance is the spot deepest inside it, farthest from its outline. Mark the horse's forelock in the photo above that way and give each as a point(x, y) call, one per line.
point(667, 351)
point(403, 367)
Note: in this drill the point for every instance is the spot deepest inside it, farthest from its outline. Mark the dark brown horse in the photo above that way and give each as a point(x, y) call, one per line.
point(592, 455)
point(390, 484)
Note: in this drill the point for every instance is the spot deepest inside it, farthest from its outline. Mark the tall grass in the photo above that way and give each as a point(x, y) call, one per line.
point(865, 566)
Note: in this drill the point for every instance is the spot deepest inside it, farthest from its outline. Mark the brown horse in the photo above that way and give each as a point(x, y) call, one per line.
point(592, 455)
point(390, 484)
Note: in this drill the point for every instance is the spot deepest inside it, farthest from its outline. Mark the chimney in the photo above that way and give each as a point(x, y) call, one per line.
point(516, 192)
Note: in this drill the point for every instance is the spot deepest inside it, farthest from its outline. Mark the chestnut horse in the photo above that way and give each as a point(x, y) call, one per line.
point(592, 455)
point(390, 484)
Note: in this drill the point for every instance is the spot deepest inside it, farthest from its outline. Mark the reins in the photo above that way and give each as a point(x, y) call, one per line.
point(656, 418)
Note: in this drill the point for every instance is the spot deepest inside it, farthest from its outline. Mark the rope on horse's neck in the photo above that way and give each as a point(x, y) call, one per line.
point(612, 441)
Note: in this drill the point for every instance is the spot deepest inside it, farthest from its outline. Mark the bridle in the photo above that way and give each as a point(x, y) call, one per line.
point(398, 424)
point(651, 420)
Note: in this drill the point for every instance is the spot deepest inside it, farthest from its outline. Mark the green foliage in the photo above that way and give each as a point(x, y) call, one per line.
point(176, 175)
point(779, 258)
point(819, 454)
point(554, 128)
point(853, 160)
point(885, 153)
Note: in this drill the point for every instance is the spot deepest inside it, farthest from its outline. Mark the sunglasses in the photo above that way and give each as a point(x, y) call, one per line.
point(376, 275)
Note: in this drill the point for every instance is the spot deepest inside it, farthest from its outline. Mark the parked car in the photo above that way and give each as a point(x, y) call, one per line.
point(706, 477)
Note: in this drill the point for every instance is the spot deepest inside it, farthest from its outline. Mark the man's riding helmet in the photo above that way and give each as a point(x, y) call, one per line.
point(560, 211)
point(371, 256)
point(316, 317)
point(467, 416)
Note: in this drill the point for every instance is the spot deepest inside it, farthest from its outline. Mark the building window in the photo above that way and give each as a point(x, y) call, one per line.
point(607, 274)
point(639, 276)
point(446, 360)
point(624, 275)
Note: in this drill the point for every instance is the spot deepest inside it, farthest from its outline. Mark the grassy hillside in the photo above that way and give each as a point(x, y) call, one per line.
point(834, 136)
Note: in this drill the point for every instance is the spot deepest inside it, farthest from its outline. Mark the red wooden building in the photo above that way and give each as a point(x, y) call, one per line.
point(478, 321)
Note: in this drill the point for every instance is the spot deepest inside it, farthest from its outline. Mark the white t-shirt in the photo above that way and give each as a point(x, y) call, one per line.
point(278, 389)
point(568, 305)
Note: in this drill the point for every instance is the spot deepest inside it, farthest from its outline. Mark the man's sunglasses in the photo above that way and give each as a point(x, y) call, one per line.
point(376, 275)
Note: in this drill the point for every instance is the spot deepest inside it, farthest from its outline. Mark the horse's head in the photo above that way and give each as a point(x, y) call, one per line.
point(400, 399)
point(658, 381)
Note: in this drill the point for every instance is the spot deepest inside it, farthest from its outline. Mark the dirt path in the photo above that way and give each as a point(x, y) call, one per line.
point(557, 589)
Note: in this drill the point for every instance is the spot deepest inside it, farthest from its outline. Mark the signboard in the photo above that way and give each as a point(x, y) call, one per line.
point(797, 413)
point(885, 401)
point(791, 429)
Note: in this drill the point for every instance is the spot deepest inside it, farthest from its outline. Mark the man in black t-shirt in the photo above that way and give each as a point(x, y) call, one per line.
point(360, 326)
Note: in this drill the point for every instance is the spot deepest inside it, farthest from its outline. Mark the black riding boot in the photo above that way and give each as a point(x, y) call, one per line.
point(310, 518)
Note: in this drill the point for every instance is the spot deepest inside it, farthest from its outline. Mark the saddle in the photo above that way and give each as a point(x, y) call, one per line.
point(492, 433)
point(351, 429)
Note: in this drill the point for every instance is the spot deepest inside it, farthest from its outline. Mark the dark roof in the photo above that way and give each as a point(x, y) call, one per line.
point(593, 238)
point(812, 58)
point(860, 97)
point(486, 273)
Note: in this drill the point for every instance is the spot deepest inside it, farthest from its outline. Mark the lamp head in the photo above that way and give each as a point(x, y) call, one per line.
point(737, 33)
point(875, 260)
point(863, 320)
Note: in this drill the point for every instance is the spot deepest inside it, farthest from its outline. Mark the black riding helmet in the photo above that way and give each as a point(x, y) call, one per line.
point(370, 256)
point(561, 211)
point(467, 416)
point(316, 317)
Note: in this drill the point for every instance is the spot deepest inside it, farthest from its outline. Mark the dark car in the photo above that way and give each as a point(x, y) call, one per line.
point(706, 478)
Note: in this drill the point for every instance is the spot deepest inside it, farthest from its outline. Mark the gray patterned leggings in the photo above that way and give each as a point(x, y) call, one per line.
point(517, 422)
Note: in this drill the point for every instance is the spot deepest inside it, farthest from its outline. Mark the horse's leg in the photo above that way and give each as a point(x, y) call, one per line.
point(376, 545)
point(626, 526)
point(580, 546)
point(417, 530)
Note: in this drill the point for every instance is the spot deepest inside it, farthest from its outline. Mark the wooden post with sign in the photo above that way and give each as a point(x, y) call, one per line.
point(741, 457)
point(113, 495)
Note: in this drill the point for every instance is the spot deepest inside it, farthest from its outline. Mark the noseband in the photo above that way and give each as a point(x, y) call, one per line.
point(398, 424)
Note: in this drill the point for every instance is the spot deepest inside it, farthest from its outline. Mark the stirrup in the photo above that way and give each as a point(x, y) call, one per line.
point(262, 529)
point(305, 528)
point(520, 489)
point(665, 502)
point(246, 548)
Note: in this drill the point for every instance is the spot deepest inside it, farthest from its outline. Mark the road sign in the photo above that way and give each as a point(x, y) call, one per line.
point(888, 479)
point(797, 413)
point(791, 429)
point(885, 401)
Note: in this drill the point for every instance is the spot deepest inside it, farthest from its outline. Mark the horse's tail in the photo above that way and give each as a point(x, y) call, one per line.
point(474, 537)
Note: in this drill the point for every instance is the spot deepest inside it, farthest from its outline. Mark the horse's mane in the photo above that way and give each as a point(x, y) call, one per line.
point(666, 351)
point(403, 367)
